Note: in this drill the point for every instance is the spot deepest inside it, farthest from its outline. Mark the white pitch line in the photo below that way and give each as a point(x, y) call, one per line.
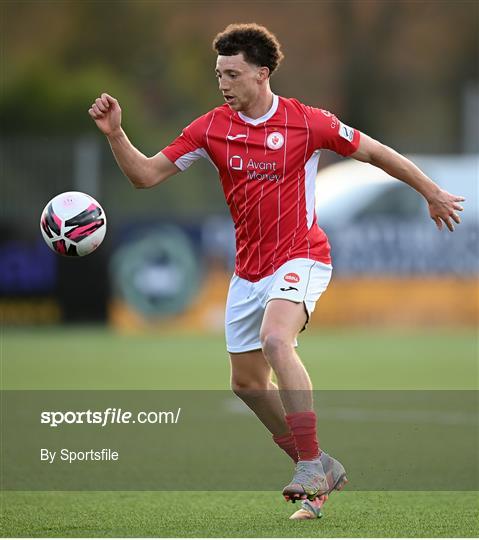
point(347, 414)
point(413, 416)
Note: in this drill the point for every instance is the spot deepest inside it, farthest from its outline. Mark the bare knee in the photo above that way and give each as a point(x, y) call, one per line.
point(244, 388)
point(275, 345)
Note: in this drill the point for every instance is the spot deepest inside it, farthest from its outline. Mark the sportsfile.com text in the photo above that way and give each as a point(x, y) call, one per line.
point(111, 415)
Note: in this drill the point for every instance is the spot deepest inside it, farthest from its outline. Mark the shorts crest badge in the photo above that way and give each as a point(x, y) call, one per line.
point(291, 277)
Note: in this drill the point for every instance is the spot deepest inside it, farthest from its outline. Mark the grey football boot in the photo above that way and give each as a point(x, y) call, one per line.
point(310, 509)
point(335, 473)
point(308, 482)
point(315, 478)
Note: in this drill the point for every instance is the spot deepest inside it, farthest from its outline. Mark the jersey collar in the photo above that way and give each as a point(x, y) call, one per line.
point(265, 117)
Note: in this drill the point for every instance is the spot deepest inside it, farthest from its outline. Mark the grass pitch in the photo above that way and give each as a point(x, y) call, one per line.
point(237, 514)
point(95, 358)
point(89, 358)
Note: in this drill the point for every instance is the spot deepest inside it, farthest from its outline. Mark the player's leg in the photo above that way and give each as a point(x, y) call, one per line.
point(288, 308)
point(251, 382)
point(282, 322)
point(316, 473)
point(250, 372)
point(289, 299)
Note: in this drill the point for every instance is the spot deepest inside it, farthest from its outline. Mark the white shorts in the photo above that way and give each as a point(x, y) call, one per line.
point(298, 280)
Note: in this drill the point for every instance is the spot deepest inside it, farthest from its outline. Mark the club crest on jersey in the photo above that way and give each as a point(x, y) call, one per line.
point(291, 277)
point(275, 140)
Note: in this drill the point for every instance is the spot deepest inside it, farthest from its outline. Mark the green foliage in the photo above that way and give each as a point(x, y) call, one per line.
point(49, 99)
point(407, 91)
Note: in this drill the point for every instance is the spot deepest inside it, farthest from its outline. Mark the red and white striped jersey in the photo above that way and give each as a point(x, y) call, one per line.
point(267, 167)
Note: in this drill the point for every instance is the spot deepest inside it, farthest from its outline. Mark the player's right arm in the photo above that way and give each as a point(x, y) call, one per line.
point(142, 171)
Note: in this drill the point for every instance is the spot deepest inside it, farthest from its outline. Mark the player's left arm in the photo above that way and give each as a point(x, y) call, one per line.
point(443, 206)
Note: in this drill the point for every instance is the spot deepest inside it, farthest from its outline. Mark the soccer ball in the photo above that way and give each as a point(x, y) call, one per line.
point(73, 224)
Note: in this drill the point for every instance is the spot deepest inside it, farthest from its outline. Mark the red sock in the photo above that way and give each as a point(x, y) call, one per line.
point(286, 443)
point(303, 429)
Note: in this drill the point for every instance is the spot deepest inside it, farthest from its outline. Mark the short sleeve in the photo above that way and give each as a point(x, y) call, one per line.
point(188, 146)
point(330, 133)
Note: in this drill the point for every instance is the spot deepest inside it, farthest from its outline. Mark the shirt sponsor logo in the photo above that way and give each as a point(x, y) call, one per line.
point(275, 140)
point(236, 163)
point(262, 170)
point(234, 137)
point(346, 132)
point(256, 170)
point(292, 277)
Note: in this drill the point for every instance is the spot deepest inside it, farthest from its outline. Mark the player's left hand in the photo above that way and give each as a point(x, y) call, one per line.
point(444, 208)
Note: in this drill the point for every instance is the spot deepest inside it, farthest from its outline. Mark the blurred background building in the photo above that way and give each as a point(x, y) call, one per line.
point(405, 73)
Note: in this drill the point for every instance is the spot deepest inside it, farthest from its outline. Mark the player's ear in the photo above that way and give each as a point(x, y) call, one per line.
point(263, 74)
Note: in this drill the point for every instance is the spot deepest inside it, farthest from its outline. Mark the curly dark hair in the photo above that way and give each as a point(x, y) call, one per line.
point(258, 45)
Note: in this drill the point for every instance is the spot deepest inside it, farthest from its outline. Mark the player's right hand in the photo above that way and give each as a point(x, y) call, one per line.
point(106, 112)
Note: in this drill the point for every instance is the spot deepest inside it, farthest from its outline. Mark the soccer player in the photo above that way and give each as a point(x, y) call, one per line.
point(266, 149)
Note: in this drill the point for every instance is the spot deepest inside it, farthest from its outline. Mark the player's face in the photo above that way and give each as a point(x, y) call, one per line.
point(238, 81)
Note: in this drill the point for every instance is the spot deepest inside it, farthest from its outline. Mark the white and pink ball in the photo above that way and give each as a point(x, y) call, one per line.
point(73, 224)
